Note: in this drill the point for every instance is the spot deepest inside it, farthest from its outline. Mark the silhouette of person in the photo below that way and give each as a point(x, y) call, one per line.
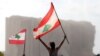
point(53, 51)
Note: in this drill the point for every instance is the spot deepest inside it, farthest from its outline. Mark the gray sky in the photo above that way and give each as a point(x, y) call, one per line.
point(78, 10)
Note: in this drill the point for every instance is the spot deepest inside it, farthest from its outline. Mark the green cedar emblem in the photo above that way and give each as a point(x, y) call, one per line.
point(46, 28)
point(17, 36)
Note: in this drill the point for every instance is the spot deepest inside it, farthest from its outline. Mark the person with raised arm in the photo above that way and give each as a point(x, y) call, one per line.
point(53, 51)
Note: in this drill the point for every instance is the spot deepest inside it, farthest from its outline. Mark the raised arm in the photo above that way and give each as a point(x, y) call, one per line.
point(44, 44)
point(61, 43)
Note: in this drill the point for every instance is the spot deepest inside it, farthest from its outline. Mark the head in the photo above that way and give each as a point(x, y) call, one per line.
point(52, 45)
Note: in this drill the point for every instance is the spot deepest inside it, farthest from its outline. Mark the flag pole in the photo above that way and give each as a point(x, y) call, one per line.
point(60, 23)
point(24, 46)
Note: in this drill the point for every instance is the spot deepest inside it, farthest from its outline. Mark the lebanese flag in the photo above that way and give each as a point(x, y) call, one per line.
point(48, 23)
point(18, 38)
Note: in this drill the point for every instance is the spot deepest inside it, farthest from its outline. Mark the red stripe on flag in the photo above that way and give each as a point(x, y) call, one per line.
point(16, 41)
point(55, 26)
point(47, 17)
point(24, 30)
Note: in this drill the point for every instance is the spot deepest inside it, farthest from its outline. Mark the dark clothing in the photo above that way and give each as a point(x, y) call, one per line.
point(53, 52)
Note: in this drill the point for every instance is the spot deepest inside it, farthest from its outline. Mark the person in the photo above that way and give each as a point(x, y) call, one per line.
point(53, 51)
